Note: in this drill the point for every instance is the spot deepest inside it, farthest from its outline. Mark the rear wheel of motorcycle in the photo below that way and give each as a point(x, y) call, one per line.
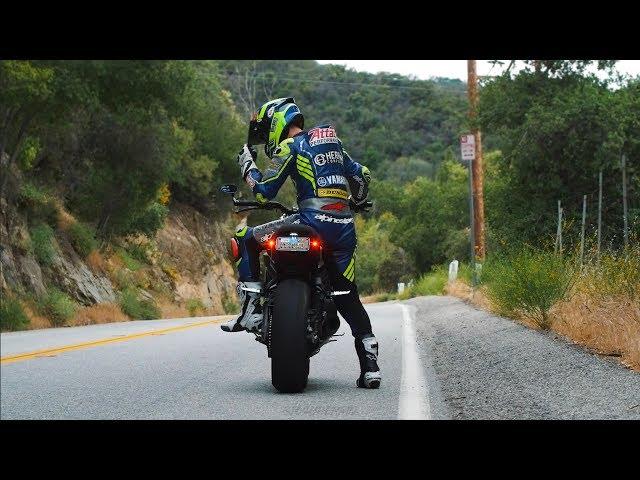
point(289, 356)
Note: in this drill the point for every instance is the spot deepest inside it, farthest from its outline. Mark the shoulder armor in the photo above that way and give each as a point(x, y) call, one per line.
point(284, 149)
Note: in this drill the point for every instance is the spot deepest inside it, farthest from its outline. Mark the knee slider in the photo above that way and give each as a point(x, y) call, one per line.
point(236, 240)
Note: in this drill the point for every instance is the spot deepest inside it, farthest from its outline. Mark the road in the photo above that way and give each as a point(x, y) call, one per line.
point(440, 359)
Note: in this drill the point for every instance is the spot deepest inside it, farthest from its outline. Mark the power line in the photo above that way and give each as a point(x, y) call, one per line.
point(373, 85)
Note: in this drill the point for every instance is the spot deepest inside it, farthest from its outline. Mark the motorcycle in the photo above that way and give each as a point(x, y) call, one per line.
point(300, 316)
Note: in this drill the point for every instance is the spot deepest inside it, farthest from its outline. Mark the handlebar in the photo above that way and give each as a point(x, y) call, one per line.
point(253, 205)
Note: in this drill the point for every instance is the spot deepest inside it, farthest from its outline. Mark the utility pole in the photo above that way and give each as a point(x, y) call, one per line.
point(468, 152)
point(477, 167)
point(472, 227)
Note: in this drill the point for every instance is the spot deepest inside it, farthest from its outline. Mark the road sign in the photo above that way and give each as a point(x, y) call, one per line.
point(468, 147)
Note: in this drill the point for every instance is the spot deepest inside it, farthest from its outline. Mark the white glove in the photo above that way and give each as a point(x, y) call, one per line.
point(246, 159)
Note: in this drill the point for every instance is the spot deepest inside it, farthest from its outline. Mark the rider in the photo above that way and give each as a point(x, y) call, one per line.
point(322, 172)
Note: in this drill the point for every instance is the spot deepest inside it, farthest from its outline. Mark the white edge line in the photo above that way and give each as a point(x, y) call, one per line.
point(414, 390)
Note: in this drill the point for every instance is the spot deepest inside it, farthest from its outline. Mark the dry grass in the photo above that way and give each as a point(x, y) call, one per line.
point(607, 325)
point(36, 321)
point(98, 313)
point(65, 219)
point(172, 309)
point(96, 262)
point(464, 292)
point(378, 297)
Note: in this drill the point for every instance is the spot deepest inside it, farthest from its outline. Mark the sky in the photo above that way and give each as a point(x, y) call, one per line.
point(424, 69)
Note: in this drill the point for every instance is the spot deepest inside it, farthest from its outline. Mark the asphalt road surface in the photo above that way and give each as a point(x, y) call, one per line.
point(440, 359)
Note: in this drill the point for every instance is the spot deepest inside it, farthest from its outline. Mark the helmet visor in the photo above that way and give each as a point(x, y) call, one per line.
point(258, 131)
point(257, 134)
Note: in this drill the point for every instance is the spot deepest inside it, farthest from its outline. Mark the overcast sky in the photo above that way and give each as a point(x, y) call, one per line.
point(425, 69)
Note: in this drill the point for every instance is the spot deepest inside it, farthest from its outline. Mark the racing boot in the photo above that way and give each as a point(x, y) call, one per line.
point(367, 350)
point(250, 318)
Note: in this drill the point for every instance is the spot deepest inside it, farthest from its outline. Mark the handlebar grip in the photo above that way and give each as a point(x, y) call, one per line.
point(362, 207)
point(246, 203)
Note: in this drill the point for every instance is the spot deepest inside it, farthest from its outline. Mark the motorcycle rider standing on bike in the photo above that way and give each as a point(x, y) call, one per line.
point(323, 173)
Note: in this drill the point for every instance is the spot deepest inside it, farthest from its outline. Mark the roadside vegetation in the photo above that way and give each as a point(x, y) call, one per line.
point(12, 315)
point(95, 153)
point(57, 306)
point(136, 307)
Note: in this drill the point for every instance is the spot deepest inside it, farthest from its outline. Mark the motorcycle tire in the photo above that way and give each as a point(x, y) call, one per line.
point(289, 355)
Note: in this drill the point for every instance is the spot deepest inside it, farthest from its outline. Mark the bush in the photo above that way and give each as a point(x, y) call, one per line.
point(43, 244)
point(194, 305)
point(123, 279)
point(384, 297)
point(618, 273)
point(150, 221)
point(380, 264)
point(138, 309)
point(431, 283)
point(528, 282)
point(12, 316)
point(38, 205)
point(138, 252)
point(57, 306)
point(129, 262)
point(82, 238)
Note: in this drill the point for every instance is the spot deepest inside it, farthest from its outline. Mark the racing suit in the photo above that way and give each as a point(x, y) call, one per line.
point(323, 173)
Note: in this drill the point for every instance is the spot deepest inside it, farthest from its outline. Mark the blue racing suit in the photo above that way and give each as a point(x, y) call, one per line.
point(323, 173)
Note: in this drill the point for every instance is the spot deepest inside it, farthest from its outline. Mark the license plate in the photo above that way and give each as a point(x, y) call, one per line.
point(292, 244)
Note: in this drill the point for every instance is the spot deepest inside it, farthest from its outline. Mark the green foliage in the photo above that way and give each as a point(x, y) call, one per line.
point(380, 117)
point(528, 282)
point(617, 273)
point(128, 164)
point(37, 204)
point(82, 238)
point(380, 264)
point(431, 283)
point(434, 214)
point(115, 131)
point(12, 316)
point(129, 261)
point(43, 244)
point(57, 306)
point(30, 149)
point(138, 252)
point(150, 220)
point(194, 305)
point(557, 129)
point(132, 305)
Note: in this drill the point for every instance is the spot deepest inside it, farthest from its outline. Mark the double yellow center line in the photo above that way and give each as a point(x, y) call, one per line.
point(78, 346)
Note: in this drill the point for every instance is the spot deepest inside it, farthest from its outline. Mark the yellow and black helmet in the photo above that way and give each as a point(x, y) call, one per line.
point(270, 123)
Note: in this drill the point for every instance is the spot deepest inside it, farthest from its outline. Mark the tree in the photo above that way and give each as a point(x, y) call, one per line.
point(556, 127)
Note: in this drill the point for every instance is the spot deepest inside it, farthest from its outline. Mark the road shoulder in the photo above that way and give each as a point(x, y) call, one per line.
point(481, 366)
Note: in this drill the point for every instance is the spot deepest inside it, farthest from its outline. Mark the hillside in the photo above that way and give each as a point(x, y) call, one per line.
point(383, 118)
